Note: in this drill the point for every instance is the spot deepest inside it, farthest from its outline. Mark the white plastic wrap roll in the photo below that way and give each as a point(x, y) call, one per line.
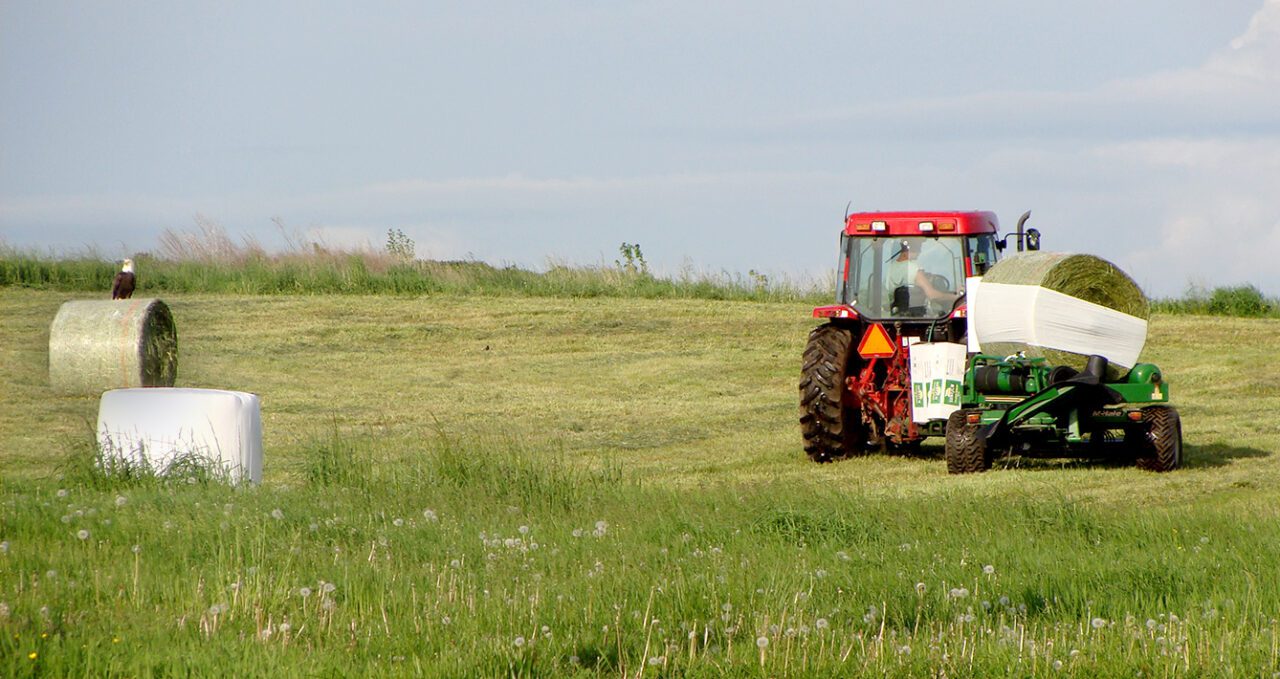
point(159, 426)
point(1036, 316)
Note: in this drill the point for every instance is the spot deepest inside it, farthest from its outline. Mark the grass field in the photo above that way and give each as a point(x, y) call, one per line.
point(489, 486)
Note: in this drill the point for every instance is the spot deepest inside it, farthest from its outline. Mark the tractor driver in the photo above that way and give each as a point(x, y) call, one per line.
point(904, 273)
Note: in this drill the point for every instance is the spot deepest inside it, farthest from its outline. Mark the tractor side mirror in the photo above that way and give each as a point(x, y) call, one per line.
point(1000, 244)
point(1033, 239)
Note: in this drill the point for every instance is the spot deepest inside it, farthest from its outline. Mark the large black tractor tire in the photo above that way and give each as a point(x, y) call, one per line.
point(1159, 447)
point(966, 452)
point(832, 430)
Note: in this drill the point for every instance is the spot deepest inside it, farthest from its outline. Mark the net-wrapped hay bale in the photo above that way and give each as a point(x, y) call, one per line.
point(1062, 307)
point(95, 345)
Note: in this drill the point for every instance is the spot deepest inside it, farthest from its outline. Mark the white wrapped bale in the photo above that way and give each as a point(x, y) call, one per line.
point(1061, 307)
point(107, 344)
point(154, 428)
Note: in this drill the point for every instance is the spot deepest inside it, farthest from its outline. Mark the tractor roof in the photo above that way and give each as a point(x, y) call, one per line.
point(944, 223)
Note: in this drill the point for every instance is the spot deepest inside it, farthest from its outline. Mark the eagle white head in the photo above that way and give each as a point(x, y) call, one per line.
point(128, 266)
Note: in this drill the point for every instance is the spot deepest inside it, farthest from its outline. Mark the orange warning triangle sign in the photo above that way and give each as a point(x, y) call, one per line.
point(876, 343)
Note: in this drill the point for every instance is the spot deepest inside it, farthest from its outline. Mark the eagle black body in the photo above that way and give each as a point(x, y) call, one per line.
point(122, 286)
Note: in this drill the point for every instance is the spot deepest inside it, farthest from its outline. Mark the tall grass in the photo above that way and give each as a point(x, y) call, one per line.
point(441, 564)
point(208, 261)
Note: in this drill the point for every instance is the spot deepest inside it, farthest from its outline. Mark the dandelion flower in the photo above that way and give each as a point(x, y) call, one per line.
point(82, 534)
point(4, 547)
point(32, 655)
point(304, 592)
point(577, 532)
point(821, 623)
point(284, 628)
point(446, 620)
point(959, 592)
point(519, 642)
point(920, 588)
point(524, 530)
point(277, 514)
point(4, 610)
point(762, 642)
point(1098, 623)
point(989, 569)
point(655, 660)
point(121, 500)
point(62, 492)
point(397, 522)
point(1057, 665)
point(430, 515)
point(328, 587)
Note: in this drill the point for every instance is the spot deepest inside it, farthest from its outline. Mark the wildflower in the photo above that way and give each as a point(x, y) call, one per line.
point(455, 563)
point(524, 530)
point(904, 649)
point(843, 556)
point(1004, 601)
point(989, 569)
point(4, 547)
point(284, 627)
point(430, 515)
point(397, 522)
point(762, 642)
point(958, 592)
point(519, 642)
point(1057, 665)
point(315, 527)
point(328, 587)
point(66, 518)
point(62, 492)
point(82, 534)
point(304, 592)
point(920, 588)
point(446, 620)
point(4, 610)
point(820, 573)
point(121, 500)
point(574, 660)
point(1098, 623)
point(328, 605)
point(277, 514)
point(821, 623)
point(727, 607)
point(1151, 624)
point(32, 655)
point(50, 574)
point(169, 524)
point(577, 532)
point(601, 528)
point(655, 660)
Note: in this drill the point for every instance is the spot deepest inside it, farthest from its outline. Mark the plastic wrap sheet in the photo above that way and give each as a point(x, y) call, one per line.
point(158, 427)
point(1004, 315)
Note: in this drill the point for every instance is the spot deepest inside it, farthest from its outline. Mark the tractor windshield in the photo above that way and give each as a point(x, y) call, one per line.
point(902, 277)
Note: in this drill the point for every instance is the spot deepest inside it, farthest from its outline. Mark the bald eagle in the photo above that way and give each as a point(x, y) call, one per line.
point(122, 286)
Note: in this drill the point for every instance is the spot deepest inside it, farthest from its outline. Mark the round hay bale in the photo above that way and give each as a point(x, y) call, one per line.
point(95, 345)
point(1083, 277)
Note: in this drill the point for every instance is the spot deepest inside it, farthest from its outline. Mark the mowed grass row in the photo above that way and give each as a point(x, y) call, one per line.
point(475, 486)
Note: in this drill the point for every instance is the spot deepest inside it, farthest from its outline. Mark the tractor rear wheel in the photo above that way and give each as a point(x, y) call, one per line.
point(832, 429)
point(966, 452)
point(1159, 446)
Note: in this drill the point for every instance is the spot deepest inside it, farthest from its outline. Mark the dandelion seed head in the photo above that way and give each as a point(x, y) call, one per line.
point(328, 587)
point(821, 623)
point(304, 592)
point(446, 620)
point(397, 522)
point(4, 610)
point(762, 642)
point(920, 588)
point(62, 492)
point(523, 530)
point(82, 534)
point(1057, 665)
point(655, 660)
point(121, 500)
point(4, 547)
point(430, 515)
point(1098, 623)
point(519, 641)
point(66, 518)
point(277, 514)
point(284, 627)
point(989, 569)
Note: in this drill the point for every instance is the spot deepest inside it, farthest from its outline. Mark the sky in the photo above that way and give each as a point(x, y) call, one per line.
point(720, 136)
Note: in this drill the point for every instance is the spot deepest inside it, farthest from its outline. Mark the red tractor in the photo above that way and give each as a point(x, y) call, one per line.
point(900, 280)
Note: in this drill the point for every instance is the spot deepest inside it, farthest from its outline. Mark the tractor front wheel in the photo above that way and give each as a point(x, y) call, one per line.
point(832, 429)
point(966, 452)
point(1159, 447)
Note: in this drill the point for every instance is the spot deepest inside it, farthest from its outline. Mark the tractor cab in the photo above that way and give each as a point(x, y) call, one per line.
point(908, 269)
point(912, 265)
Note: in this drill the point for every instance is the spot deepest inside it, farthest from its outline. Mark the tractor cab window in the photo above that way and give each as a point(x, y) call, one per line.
point(902, 277)
point(982, 252)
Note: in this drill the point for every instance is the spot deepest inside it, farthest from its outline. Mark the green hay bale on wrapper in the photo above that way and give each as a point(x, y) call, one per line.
point(1084, 277)
point(96, 345)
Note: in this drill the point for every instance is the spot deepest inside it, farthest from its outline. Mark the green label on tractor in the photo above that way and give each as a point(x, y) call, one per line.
point(952, 395)
point(918, 395)
point(935, 391)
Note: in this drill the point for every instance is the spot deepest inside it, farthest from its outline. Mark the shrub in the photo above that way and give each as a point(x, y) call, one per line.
point(1242, 300)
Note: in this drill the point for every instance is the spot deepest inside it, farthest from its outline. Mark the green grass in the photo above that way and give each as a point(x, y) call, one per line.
point(673, 422)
